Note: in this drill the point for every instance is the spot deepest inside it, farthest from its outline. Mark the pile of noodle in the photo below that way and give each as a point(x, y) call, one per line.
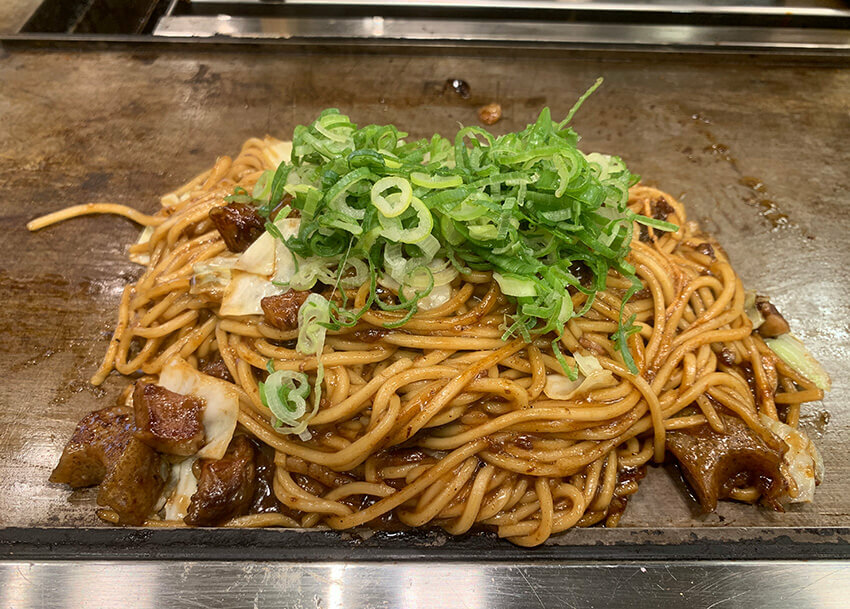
point(440, 422)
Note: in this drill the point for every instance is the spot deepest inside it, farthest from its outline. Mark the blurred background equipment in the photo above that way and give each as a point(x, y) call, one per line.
point(700, 24)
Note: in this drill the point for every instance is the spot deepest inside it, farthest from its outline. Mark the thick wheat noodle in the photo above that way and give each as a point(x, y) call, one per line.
point(440, 422)
point(86, 209)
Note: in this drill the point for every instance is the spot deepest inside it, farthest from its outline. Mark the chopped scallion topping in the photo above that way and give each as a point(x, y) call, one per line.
point(528, 206)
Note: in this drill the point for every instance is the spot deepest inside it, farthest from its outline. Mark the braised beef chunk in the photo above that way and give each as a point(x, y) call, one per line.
point(226, 487)
point(774, 324)
point(706, 249)
point(134, 484)
point(95, 446)
point(661, 209)
point(582, 272)
point(103, 451)
point(215, 367)
point(286, 200)
point(166, 421)
point(714, 463)
point(281, 311)
point(264, 499)
point(727, 356)
point(239, 225)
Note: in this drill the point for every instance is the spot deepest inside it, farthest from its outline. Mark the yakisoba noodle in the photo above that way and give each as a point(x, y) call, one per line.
point(441, 422)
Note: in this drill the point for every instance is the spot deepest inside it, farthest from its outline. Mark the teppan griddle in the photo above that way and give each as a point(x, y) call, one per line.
point(756, 147)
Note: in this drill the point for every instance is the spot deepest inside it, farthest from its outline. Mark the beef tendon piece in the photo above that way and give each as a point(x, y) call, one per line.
point(226, 487)
point(281, 310)
point(715, 463)
point(264, 499)
point(215, 367)
point(134, 483)
point(95, 446)
point(239, 225)
point(166, 421)
point(774, 324)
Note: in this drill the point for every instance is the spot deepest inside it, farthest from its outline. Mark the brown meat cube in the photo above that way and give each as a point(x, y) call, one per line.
point(226, 487)
point(215, 367)
point(715, 463)
point(264, 499)
point(133, 486)
point(95, 446)
point(661, 209)
point(239, 225)
point(166, 421)
point(281, 311)
point(774, 324)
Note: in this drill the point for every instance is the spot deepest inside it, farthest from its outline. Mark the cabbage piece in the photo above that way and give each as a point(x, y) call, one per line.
point(285, 263)
point(212, 276)
point(243, 294)
point(591, 376)
point(277, 152)
point(172, 199)
point(221, 403)
point(182, 484)
point(752, 311)
point(260, 271)
point(438, 296)
point(144, 237)
point(559, 387)
point(259, 257)
point(263, 257)
point(802, 465)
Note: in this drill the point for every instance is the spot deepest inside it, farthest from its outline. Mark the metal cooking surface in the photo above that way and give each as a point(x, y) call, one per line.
point(758, 150)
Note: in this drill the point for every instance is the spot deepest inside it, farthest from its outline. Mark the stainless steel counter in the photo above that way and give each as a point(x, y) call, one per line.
point(478, 585)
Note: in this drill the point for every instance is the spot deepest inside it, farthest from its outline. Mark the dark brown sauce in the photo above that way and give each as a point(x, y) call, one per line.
point(767, 207)
point(721, 151)
point(460, 87)
point(706, 249)
point(370, 335)
point(618, 503)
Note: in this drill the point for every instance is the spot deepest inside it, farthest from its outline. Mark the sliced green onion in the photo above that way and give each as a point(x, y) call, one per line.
point(525, 206)
point(483, 232)
point(394, 204)
point(263, 186)
point(435, 182)
point(312, 316)
point(514, 285)
point(793, 352)
point(337, 194)
point(395, 231)
point(285, 393)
